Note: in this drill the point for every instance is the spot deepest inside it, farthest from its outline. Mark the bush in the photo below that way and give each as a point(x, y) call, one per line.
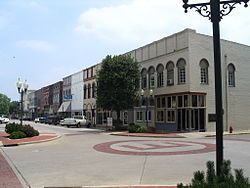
point(134, 128)
point(29, 131)
point(17, 135)
point(225, 180)
point(12, 127)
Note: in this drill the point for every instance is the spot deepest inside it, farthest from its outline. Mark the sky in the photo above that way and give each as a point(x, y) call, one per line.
point(42, 41)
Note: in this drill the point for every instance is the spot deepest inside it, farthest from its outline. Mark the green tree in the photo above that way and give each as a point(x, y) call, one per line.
point(4, 104)
point(117, 83)
point(14, 108)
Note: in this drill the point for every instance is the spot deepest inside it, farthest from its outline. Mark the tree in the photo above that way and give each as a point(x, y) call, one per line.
point(14, 108)
point(4, 104)
point(118, 83)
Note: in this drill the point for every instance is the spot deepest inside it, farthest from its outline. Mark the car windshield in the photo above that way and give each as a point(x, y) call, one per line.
point(78, 117)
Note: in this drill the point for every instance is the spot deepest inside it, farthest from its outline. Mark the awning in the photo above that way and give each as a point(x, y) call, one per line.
point(65, 107)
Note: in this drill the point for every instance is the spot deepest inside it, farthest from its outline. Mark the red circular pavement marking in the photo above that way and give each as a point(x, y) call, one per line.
point(107, 148)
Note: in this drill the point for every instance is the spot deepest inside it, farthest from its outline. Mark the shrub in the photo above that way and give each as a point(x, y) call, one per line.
point(29, 131)
point(12, 127)
point(142, 129)
point(17, 135)
point(132, 128)
point(225, 180)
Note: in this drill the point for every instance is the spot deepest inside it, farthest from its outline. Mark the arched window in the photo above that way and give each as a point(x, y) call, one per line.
point(160, 77)
point(144, 78)
point(204, 71)
point(170, 73)
point(231, 75)
point(151, 73)
point(181, 64)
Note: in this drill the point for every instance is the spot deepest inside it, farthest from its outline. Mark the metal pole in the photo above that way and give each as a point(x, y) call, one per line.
point(21, 107)
point(147, 113)
point(215, 17)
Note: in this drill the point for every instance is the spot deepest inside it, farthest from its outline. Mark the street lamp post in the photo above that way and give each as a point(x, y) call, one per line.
point(215, 14)
point(22, 89)
point(148, 97)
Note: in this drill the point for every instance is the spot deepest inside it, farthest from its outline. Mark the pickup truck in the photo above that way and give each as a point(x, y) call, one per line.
point(77, 121)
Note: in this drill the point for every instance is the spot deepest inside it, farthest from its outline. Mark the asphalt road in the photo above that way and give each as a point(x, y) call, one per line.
point(88, 157)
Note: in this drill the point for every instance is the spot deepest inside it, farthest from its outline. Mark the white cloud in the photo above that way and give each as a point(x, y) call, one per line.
point(37, 45)
point(144, 20)
point(136, 21)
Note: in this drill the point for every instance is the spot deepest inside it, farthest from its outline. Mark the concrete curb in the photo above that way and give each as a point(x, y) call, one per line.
point(148, 136)
point(225, 134)
point(40, 141)
point(32, 142)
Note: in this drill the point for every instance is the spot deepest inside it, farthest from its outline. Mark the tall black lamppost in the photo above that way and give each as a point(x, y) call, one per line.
point(215, 10)
point(22, 88)
point(147, 100)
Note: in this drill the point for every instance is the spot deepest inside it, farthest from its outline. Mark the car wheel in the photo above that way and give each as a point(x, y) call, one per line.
point(68, 126)
point(88, 126)
point(78, 125)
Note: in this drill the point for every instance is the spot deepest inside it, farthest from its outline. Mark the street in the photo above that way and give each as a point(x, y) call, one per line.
point(88, 157)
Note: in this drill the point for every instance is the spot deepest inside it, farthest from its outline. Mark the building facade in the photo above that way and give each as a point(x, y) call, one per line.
point(65, 108)
point(179, 72)
point(89, 93)
point(31, 107)
point(56, 97)
point(177, 86)
point(77, 93)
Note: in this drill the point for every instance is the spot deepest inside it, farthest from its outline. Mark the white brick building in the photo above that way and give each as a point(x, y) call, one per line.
point(180, 71)
point(77, 93)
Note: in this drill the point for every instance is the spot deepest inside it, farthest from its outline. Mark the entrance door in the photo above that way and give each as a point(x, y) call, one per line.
point(195, 119)
point(202, 119)
point(191, 119)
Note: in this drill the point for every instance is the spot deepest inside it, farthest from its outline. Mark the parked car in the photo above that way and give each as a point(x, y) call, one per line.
point(55, 120)
point(4, 119)
point(77, 121)
point(42, 119)
point(37, 120)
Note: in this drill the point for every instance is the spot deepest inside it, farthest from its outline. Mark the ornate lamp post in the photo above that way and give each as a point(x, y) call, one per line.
point(22, 89)
point(215, 10)
point(148, 97)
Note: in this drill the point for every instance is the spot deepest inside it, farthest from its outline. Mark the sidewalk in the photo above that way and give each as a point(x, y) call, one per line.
point(8, 177)
point(43, 137)
point(155, 135)
point(178, 135)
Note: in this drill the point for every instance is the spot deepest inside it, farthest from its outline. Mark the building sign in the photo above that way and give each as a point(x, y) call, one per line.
point(67, 97)
point(211, 117)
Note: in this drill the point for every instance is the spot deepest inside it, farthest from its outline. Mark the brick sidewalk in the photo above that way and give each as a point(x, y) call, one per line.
point(8, 178)
point(15, 142)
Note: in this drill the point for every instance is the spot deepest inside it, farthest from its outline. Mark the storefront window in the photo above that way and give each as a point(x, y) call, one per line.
point(160, 116)
point(171, 116)
point(180, 101)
